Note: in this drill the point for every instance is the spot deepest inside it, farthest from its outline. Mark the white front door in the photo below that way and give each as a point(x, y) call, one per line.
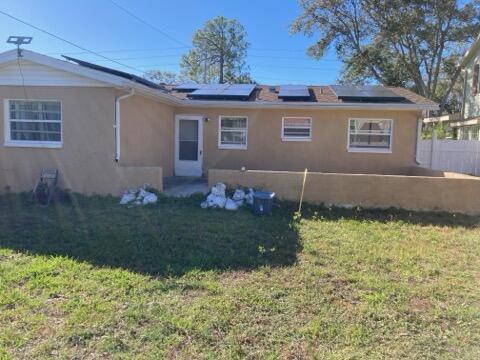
point(188, 145)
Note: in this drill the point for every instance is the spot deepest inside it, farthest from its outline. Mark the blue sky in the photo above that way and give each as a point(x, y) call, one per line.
point(275, 56)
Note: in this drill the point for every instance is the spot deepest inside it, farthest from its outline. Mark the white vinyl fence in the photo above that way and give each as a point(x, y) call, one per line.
point(461, 156)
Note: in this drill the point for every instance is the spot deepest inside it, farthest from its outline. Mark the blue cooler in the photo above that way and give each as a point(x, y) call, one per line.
point(262, 202)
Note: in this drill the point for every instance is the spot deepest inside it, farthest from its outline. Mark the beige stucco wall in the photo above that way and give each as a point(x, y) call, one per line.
point(86, 160)
point(148, 133)
point(451, 194)
point(327, 152)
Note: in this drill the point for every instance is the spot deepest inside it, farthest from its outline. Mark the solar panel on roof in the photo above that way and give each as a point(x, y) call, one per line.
point(187, 87)
point(293, 92)
point(239, 89)
point(372, 93)
point(122, 74)
point(223, 91)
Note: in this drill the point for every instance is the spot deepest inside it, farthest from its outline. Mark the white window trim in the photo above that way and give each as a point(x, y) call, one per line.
point(231, 146)
point(369, 149)
point(29, 144)
point(296, 138)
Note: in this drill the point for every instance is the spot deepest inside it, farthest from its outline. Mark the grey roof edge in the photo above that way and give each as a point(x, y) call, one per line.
point(122, 74)
point(307, 105)
point(470, 52)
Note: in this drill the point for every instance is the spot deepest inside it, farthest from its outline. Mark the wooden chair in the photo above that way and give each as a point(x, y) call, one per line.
point(45, 187)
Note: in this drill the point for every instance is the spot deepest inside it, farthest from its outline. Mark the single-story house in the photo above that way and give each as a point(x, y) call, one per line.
point(107, 130)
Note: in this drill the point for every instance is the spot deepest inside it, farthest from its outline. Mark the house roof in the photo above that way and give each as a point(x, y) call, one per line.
point(122, 74)
point(261, 97)
point(471, 52)
point(320, 94)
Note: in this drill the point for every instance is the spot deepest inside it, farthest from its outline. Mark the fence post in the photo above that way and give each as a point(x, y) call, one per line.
point(433, 149)
point(476, 161)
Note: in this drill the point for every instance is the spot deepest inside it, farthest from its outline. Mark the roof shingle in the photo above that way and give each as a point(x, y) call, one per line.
point(319, 94)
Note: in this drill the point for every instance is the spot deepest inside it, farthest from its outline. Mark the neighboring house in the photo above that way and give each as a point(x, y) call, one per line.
point(447, 120)
point(106, 130)
point(466, 125)
point(469, 127)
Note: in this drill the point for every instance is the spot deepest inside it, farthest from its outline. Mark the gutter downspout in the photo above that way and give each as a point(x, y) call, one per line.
point(116, 126)
point(418, 135)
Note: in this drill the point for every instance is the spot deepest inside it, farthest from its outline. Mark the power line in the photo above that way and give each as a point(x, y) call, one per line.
point(252, 56)
point(85, 50)
point(115, 51)
point(184, 45)
point(254, 49)
point(148, 24)
point(282, 79)
point(67, 41)
point(322, 69)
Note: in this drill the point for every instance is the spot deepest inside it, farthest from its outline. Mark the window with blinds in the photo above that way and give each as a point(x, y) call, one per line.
point(33, 122)
point(233, 132)
point(370, 135)
point(297, 129)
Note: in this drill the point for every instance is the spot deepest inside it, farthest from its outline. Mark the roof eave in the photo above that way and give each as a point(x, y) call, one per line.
point(306, 105)
point(73, 68)
point(112, 80)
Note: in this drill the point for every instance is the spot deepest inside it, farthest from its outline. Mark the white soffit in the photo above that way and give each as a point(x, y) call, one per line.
point(34, 74)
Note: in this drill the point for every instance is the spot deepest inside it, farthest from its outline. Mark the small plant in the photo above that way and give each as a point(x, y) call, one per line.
point(440, 128)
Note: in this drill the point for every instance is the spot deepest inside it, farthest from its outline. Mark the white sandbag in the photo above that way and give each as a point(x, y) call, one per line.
point(218, 189)
point(231, 205)
point(239, 197)
point(141, 194)
point(239, 194)
point(249, 197)
point(140, 197)
point(149, 198)
point(216, 201)
point(210, 200)
point(219, 201)
point(127, 198)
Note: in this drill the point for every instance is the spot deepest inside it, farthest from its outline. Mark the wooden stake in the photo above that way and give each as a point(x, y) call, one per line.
point(303, 190)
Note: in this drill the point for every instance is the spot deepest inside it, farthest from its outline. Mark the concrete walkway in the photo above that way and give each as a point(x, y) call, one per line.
point(180, 186)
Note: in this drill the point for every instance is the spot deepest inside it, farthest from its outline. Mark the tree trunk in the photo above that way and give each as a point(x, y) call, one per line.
point(205, 71)
point(205, 67)
point(449, 90)
point(221, 64)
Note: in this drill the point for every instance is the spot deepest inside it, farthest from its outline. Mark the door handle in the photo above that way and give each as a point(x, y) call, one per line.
point(200, 152)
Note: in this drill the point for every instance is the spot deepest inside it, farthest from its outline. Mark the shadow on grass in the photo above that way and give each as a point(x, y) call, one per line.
point(170, 238)
point(389, 215)
point(174, 236)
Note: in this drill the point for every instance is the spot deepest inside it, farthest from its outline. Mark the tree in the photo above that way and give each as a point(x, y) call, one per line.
point(218, 53)
point(164, 77)
point(412, 43)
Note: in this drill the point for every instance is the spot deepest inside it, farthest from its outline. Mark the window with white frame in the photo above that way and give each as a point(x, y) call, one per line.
point(233, 132)
point(33, 123)
point(297, 129)
point(370, 135)
point(471, 132)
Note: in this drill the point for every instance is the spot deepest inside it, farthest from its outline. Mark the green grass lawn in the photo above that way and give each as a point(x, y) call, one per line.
point(87, 278)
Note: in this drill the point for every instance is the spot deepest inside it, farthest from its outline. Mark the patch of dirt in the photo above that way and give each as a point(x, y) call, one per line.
point(418, 304)
point(339, 288)
point(295, 351)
